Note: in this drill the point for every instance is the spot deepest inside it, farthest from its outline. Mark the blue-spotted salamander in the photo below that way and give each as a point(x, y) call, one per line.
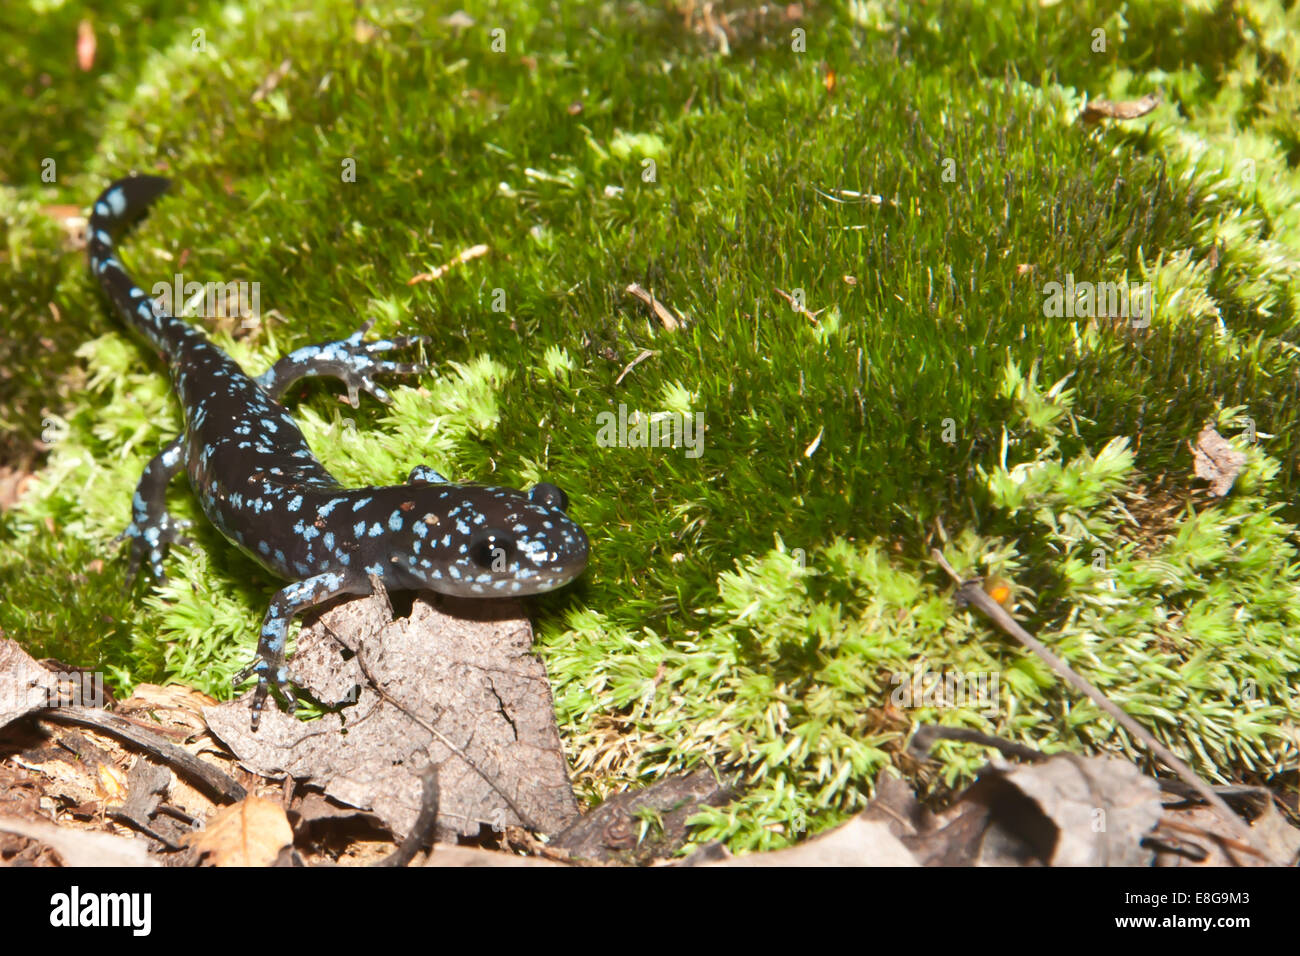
point(258, 482)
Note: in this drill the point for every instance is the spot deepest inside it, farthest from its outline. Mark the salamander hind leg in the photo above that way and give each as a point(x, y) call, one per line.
point(270, 666)
point(152, 529)
point(352, 360)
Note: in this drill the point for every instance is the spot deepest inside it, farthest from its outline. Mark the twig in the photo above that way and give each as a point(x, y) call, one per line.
point(972, 593)
point(473, 252)
point(422, 832)
point(207, 776)
point(645, 354)
point(1218, 838)
point(926, 737)
point(810, 316)
point(667, 318)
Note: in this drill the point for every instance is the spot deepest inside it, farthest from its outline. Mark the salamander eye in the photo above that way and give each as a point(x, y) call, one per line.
point(491, 549)
point(549, 495)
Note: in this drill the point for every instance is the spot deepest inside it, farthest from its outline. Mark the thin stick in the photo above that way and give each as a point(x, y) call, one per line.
point(425, 829)
point(208, 777)
point(972, 593)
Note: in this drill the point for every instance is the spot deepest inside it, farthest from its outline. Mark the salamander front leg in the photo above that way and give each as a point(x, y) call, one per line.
point(270, 664)
point(353, 360)
point(152, 530)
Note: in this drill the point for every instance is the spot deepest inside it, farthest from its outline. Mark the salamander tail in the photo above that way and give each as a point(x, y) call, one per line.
point(123, 203)
point(116, 208)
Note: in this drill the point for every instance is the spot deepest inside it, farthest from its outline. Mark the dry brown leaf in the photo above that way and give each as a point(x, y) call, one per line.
point(1064, 811)
point(1216, 461)
point(250, 833)
point(1098, 110)
point(859, 842)
point(25, 685)
point(80, 848)
point(450, 855)
point(462, 674)
point(174, 707)
point(1101, 807)
point(1202, 828)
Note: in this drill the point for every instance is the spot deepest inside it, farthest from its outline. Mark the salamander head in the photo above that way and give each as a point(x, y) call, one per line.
point(475, 541)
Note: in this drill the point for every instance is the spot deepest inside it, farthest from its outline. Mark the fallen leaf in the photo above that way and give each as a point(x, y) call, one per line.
point(463, 690)
point(1097, 110)
point(1062, 811)
point(1100, 807)
point(859, 842)
point(1202, 828)
point(250, 833)
point(467, 856)
point(1216, 461)
point(81, 848)
point(25, 685)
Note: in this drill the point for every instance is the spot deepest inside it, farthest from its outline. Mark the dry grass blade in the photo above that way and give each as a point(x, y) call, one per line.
point(660, 310)
point(972, 593)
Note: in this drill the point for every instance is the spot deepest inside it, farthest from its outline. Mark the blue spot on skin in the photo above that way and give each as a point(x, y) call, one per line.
point(116, 201)
point(395, 521)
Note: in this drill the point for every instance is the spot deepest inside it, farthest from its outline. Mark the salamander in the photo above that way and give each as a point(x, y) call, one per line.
point(258, 483)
